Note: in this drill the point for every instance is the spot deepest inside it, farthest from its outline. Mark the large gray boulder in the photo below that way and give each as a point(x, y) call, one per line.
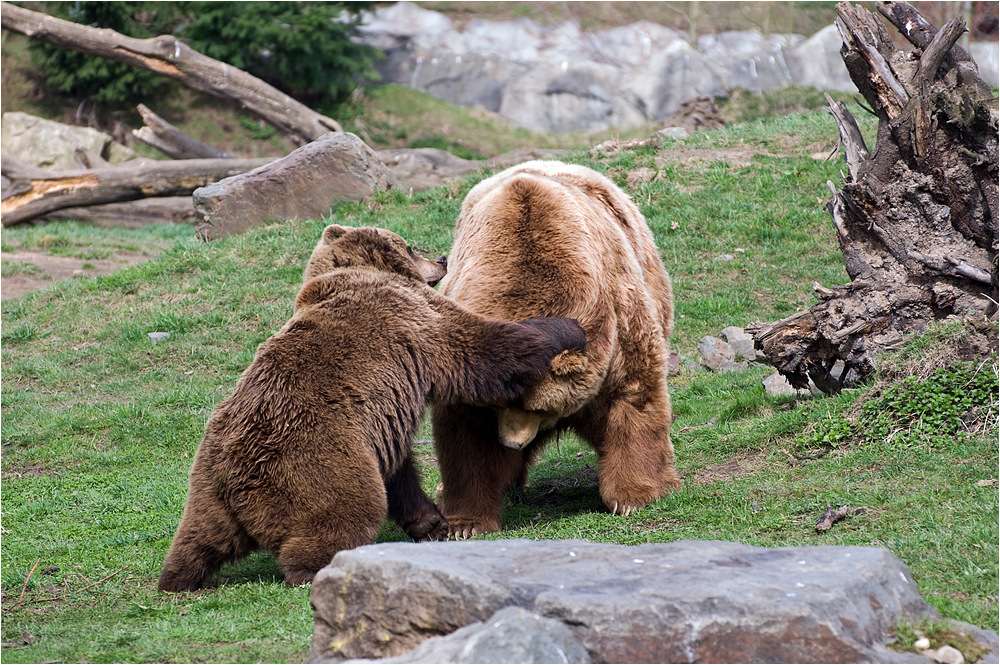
point(987, 57)
point(563, 96)
point(302, 185)
point(747, 59)
point(53, 145)
point(689, 601)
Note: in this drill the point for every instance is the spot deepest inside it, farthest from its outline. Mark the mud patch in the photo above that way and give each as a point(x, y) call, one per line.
point(742, 465)
point(31, 270)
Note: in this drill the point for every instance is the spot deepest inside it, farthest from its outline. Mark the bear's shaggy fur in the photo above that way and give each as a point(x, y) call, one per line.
point(553, 239)
point(312, 450)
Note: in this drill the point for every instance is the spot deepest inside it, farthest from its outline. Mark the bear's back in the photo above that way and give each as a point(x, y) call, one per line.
point(532, 245)
point(347, 356)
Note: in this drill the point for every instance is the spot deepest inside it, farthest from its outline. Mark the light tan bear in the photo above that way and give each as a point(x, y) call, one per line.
point(552, 239)
point(312, 450)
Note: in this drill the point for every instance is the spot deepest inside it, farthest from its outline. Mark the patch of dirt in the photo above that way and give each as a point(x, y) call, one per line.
point(37, 469)
point(736, 467)
point(49, 269)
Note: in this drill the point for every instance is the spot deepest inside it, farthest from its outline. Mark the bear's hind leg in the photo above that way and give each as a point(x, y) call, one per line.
point(635, 456)
point(301, 557)
point(348, 517)
point(207, 537)
point(411, 508)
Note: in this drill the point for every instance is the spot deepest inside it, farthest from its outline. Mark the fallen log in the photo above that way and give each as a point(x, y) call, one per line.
point(916, 217)
point(133, 214)
point(32, 193)
point(160, 134)
point(170, 57)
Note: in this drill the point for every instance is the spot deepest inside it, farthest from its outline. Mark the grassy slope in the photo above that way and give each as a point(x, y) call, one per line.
point(100, 423)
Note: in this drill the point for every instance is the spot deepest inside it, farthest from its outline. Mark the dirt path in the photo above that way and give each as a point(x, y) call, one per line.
point(49, 269)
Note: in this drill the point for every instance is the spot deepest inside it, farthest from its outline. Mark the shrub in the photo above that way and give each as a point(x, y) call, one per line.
point(302, 48)
point(103, 81)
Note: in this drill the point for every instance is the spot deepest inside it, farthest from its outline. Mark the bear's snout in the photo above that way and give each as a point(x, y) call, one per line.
point(442, 261)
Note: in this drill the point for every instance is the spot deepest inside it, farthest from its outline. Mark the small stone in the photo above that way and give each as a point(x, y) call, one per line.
point(777, 386)
point(922, 643)
point(673, 363)
point(158, 336)
point(724, 257)
point(949, 655)
point(673, 133)
point(714, 352)
point(741, 342)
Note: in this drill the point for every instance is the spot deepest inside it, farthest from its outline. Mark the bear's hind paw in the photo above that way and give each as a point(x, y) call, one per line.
point(466, 530)
point(625, 509)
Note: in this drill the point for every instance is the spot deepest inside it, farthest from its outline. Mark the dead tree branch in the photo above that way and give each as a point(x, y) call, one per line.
point(42, 193)
point(171, 141)
point(172, 58)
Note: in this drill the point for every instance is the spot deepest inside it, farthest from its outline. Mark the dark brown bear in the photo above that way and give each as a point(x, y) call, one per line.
point(312, 450)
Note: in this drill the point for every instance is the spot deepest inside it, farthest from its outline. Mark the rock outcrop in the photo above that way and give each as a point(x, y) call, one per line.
point(559, 78)
point(688, 601)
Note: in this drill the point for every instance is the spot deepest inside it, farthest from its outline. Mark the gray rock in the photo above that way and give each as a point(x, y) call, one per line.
point(564, 96)
point(671, 77)
point(776, 385)
point(949, 655)
point(717, 355)
point(51, 145)
point(749, 60)
point(673, 133)
point(653, 69)
point(511, 635)
point(816, 62)
point(673, 363)
point(987, 57)
point(423, 168)
point(740, 341)
point(302, 185)
point(158, 336)
point(688, 601)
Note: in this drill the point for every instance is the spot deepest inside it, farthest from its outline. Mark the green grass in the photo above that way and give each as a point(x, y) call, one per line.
point(83, 241)
point(100, 424)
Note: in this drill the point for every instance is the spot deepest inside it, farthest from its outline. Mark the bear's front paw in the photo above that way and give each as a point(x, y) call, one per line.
point(433, 527)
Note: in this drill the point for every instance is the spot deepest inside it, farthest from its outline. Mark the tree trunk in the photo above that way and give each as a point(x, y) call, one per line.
point(32, 193)
point(170, 57)
point(917, 216)
point(171, 141)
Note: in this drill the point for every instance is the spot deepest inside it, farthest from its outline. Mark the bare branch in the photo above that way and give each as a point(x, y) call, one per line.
point(170, 57)
point(171, 141)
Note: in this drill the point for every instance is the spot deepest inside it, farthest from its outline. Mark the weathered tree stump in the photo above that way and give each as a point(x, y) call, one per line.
point(917, 216)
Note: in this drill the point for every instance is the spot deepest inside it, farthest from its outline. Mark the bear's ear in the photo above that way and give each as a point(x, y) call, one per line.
point(332, 232)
